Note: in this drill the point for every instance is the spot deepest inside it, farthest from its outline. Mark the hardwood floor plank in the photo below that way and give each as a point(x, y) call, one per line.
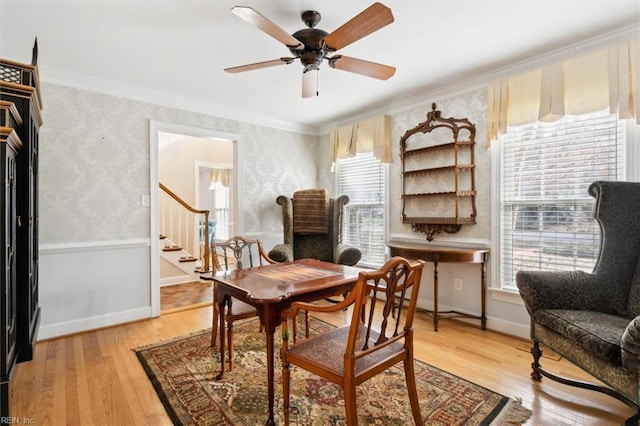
point(71, 388)
point(76, 381)
point(130, 375)
point(95, 374)
point(95, 378)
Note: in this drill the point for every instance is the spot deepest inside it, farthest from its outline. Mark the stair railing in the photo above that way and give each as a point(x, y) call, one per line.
point(177, 225)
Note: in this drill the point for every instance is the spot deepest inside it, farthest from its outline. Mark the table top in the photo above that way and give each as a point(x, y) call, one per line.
point(279, 281)
point(438, 253)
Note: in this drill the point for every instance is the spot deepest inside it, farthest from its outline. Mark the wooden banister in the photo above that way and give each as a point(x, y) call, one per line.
point(206, 263)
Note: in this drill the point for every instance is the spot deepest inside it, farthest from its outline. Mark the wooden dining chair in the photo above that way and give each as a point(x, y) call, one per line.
point(379, 336)
point(237, 252)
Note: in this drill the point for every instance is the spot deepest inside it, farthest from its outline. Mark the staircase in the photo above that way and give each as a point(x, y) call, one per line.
point(185, 230)
point(177, 265)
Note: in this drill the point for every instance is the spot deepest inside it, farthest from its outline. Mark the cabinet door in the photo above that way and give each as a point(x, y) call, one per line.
point(27, 240)
point(8, 241)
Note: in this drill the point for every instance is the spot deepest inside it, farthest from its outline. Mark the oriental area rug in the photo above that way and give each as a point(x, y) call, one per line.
point(183, 372)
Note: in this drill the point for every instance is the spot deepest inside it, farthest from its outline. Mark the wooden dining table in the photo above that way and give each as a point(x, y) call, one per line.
point(272, 289)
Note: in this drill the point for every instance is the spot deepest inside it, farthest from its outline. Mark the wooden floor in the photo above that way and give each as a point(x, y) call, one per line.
point(95, 379)
point(185, 296)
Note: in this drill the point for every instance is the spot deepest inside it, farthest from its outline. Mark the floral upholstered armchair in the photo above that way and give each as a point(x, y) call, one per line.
point(312, 225)
point(593, 319)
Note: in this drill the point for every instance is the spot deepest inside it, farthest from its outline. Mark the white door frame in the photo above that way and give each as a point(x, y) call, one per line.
point(154, 254)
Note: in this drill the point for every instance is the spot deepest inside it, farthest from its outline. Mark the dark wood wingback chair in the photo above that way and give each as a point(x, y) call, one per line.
point(593, 319)
point(321, 240)
point(380, 335)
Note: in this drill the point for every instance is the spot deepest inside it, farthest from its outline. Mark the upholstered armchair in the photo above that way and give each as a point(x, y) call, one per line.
point(593, 319)
point(312, 225)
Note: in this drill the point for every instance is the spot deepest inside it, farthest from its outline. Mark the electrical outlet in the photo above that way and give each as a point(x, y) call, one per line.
point(457, 284)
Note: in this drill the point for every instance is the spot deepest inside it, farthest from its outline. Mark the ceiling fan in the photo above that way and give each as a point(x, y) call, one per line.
point(312, 45)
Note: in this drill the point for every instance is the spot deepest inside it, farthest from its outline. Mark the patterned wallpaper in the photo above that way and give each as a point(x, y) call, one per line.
point(94, 165)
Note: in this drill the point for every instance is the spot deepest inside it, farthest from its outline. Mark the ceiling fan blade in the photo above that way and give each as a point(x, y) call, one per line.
point(310, 84)
point(256, 19)
point(360, 66)
point(366, 22)
point(258, 65)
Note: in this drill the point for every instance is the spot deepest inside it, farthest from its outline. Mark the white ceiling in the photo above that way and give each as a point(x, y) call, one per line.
point(178, 49)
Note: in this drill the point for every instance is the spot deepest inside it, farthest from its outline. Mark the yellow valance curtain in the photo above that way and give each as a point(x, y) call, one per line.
point(220, 175)
point(371, 135)
point(605, 78)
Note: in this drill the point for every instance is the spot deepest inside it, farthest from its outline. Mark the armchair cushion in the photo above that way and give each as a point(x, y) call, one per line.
point(594, 332)
point(318, 246)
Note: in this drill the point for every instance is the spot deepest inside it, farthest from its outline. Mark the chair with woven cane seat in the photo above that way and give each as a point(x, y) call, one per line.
point(236, 252)
point(379, 336)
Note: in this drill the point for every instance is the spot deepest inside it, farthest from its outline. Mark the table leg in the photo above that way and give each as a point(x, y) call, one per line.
point(221, 310)
point(483, 289)
point(270, 375)
point(435, 296)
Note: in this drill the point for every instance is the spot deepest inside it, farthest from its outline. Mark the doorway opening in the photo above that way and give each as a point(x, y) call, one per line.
point(193, 170)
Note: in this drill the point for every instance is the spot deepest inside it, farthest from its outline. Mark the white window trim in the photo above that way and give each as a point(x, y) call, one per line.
point(631, 152)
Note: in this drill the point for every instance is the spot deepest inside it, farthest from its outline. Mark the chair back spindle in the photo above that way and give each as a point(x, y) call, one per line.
point(236, 249)
point(380, 309)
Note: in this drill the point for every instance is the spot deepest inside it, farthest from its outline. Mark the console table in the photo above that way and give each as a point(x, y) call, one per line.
point(437, 255)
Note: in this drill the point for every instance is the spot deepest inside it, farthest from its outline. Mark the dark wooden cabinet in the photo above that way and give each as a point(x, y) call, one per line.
point(20, 120)
point(9, 147)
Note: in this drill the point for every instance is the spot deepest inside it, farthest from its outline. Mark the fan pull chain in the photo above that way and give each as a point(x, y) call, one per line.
point(318, 82)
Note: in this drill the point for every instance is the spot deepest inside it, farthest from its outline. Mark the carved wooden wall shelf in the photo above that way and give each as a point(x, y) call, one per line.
point(438, 179)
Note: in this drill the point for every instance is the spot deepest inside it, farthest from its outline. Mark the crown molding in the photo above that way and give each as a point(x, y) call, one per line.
point(136, 93)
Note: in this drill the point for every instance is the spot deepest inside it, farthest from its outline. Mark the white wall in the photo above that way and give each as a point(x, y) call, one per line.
point(93, 284)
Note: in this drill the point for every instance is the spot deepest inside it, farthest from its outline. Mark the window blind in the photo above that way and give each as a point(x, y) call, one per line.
point(362, 179)
point(546, 212)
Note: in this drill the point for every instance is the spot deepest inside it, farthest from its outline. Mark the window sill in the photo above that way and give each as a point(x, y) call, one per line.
point(509, 296)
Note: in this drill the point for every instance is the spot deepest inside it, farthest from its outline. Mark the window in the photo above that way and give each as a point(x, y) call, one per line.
point(546, 214)
point(362, 179)
point(221, 211)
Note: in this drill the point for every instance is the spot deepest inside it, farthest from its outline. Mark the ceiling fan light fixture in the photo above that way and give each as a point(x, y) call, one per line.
point(310, 83)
